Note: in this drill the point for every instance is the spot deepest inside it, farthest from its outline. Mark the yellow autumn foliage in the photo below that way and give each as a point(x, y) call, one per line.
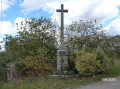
point(86, 63)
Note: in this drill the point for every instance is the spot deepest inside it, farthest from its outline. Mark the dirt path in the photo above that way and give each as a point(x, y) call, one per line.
point(103, 84)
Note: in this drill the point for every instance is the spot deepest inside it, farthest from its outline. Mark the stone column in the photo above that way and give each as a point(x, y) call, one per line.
point(62, 54)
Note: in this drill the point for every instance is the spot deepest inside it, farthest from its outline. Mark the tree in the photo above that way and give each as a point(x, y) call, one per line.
point(83, 33)
point(32, 37)
point(90, 35)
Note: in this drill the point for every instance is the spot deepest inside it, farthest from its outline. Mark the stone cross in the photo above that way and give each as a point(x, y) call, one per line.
point(62, 62)
point(62, 21)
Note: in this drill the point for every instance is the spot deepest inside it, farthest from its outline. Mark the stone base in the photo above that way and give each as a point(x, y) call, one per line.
point(63, 76)
point(62, 60)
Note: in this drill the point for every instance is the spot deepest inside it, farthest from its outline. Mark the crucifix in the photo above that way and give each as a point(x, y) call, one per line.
point(62, 21)
point(62, 53)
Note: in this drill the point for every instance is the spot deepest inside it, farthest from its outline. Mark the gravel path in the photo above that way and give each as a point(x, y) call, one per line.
point(103, 84)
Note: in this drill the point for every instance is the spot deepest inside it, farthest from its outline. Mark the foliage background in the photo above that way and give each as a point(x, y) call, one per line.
point(34, 39)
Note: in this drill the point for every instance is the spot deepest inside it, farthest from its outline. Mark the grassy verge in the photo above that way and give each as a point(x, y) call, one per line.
point(43, 83)
point(114, 70)
point(59, 83)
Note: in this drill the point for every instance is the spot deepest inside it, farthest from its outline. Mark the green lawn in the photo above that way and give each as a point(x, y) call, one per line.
point(59, 83)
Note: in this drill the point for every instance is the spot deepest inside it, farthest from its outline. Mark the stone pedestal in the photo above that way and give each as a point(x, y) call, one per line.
point(62, 58)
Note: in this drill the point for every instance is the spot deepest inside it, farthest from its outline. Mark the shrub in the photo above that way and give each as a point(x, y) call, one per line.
point(71, 62)
point(3, 73)
point(92, 63)
point(5, 58)
point(19, 67)
point(33, 66)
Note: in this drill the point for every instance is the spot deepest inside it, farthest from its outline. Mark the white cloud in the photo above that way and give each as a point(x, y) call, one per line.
point(21, 22)
point(114, 27)
point(101, 10)
point(6, 4)
point(7, 27)
point(2, 45)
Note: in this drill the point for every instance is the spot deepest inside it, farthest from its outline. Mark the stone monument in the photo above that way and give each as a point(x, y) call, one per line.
point(62, 54)
point(11, 72)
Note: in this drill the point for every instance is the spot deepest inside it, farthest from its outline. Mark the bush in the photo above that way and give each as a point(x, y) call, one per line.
point(3, 73)
point(92, 63)
point(33, 66)
point(71, 61)
point(19, 67)
point(5, 58)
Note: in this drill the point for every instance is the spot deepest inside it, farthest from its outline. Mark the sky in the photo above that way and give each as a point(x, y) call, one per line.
point(106, 12)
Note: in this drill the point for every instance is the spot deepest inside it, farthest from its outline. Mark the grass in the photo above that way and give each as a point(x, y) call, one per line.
point(114, 70)
point(43, 83)
point(59, 83)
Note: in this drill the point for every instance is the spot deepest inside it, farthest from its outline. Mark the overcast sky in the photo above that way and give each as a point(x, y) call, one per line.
point(106, 12)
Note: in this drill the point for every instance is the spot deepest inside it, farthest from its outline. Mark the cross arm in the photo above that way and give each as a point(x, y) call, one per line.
point(58, 10)
point(65, 10)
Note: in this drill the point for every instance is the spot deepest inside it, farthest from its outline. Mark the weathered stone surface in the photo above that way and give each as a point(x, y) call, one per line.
point(63, 76)
point(11, 72)
point(53, 76)
point(62, 55)
point(59, 60)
